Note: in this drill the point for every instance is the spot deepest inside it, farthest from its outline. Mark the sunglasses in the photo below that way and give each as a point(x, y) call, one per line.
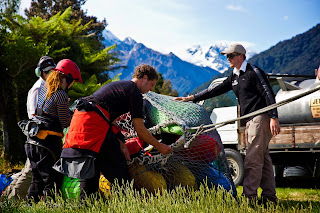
point(231, 56)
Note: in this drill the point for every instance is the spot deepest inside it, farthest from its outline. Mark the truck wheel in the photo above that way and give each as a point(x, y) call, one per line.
point(236, 166)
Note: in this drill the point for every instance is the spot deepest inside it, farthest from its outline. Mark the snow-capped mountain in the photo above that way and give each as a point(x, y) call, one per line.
point(109, 38)
point(210, 56)
point(183, 75)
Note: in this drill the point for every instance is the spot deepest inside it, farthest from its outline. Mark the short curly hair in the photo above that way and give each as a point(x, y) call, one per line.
point(145, 69)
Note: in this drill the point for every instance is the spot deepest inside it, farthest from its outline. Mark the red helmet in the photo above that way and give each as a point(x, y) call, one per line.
point(68, 67)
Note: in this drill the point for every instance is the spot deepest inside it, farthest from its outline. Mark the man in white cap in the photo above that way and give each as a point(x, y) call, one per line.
point(44, 67)
point(250, 85)
point(20, 185)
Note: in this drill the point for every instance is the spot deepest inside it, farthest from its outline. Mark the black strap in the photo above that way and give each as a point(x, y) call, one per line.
point(98, 110)
point(83, 104)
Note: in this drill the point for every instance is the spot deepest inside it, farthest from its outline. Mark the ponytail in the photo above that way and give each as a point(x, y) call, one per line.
point(53, 83)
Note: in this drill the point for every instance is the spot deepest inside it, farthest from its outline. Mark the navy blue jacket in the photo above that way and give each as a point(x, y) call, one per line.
point(251, 88)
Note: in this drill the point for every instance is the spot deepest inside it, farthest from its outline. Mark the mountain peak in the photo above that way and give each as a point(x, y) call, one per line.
point(171, 54)
point(129, 41)
point(110, 38)
point(184, 76)
point(195, 49)
point(209, 56)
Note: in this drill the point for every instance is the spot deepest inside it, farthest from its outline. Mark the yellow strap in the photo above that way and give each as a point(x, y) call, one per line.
point(42, 134)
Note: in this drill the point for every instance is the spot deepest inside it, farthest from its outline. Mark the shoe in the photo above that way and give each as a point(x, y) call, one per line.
point(265, 200)
point(253, 201)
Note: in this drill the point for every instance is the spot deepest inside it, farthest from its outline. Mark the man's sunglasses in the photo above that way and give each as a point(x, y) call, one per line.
point(231, 56)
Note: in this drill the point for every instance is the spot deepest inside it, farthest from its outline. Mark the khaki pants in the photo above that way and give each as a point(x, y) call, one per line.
point(258, 168)
point(18, 188)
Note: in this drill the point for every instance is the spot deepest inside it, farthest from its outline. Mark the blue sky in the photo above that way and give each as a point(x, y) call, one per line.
point(169, 25)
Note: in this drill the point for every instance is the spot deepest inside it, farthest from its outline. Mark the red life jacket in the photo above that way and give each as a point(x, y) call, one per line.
point(88, 130)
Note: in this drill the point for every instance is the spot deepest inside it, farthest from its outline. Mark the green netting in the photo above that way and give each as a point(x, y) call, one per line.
point(196, 158)
point(161, 110)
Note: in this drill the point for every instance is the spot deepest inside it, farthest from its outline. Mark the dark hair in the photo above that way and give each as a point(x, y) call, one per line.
point(145, 69)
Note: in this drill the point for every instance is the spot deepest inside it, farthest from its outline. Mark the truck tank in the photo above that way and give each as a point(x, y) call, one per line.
point(303, 110)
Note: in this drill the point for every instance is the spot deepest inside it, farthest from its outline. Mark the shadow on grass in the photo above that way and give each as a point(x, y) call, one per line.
point(313, 206)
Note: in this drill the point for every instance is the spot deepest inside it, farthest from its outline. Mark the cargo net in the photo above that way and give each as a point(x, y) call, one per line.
point(197, 158)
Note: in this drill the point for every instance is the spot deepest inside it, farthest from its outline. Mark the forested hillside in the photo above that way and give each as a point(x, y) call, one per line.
point(299, 55)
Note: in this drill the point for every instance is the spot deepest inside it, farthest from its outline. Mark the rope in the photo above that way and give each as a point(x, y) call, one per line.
point(162, 159)
point(258, 112)
point(199, 131)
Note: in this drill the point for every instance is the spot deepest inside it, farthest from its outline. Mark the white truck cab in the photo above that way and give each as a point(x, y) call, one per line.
point(228, 133)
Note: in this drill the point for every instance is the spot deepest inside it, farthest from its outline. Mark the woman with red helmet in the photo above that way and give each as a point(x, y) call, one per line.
point(69, 69)
point(44, 149)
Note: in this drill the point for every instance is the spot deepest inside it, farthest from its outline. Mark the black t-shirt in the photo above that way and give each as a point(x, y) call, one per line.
point(118, 98)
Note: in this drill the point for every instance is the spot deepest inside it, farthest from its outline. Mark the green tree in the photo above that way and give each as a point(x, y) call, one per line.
point(88, 87)
point(12, 62)
point(23, 42)
point(8, 8)
point(159, 84)
point(164, 87)
point(49, 8)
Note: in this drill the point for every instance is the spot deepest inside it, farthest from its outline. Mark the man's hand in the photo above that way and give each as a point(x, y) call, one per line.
point(274, 126)
point(163, 148)
point(145, 135)
point(124, 150)
point(184, 99)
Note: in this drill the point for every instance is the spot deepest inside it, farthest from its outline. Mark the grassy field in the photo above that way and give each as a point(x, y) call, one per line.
point(179, 200)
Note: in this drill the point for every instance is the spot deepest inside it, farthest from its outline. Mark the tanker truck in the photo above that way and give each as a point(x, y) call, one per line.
point(295, 152)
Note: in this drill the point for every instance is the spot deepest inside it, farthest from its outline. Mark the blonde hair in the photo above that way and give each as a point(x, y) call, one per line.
point(53, 83)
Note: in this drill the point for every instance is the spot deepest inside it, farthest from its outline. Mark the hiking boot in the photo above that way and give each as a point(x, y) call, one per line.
point(265, 200)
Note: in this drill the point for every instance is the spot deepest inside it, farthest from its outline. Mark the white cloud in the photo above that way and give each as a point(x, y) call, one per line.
point(238, 8)
point(285, 18)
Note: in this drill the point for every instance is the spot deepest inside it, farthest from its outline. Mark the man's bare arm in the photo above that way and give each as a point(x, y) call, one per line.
point(145, 135)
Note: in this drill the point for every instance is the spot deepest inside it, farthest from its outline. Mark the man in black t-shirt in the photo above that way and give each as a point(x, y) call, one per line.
point(92, 136)
point(125, 96)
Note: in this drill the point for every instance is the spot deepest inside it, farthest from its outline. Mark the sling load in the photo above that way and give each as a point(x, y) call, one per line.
point(196, 158)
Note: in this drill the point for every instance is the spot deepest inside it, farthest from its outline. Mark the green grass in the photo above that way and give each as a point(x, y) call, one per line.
point(6, 166)
point(295, 199)
point(180, 200)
